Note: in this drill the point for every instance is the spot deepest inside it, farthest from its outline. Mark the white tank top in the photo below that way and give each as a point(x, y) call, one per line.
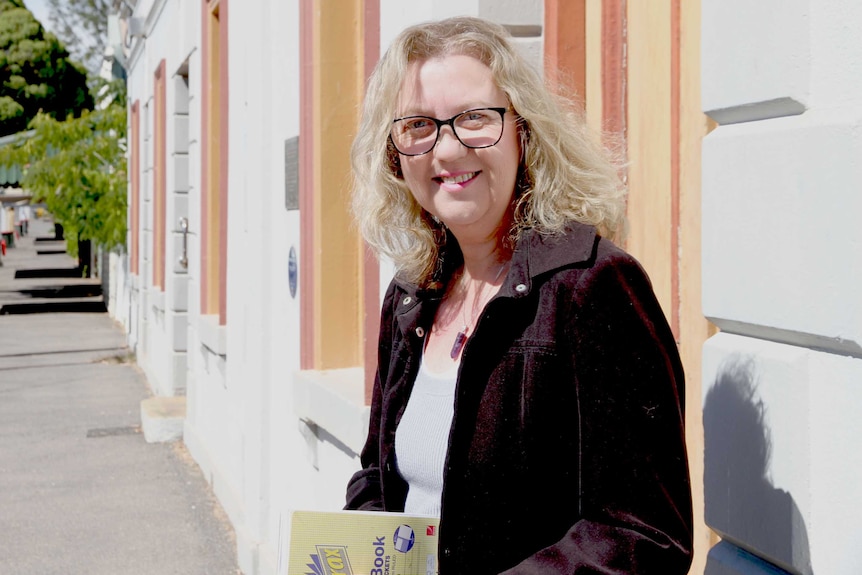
point(422, 439)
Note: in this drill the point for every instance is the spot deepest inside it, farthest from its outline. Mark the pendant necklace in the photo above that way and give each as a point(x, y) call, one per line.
point(461, 336)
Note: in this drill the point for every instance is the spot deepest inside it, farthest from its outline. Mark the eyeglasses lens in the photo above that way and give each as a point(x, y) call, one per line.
point(416, 135)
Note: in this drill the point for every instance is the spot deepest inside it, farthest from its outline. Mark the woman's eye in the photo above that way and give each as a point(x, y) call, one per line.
point(473, 118)
point(416, 124)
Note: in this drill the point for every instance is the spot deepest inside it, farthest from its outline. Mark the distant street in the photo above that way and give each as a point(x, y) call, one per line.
point(81, 492)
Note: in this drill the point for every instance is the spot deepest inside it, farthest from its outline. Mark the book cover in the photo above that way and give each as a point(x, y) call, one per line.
point(361, 543)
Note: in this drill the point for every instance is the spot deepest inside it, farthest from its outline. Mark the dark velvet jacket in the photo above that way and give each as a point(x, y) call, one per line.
point(567, 450)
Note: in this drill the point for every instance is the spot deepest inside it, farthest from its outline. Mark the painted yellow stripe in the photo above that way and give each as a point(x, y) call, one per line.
point(338, 82)
point(649, 126)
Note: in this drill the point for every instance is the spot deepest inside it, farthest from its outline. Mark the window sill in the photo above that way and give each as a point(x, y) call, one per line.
point(212, 335)
point(157, 298)
point(334, 400)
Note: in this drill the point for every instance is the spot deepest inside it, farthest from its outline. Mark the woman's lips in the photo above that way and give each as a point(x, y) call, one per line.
point(456, 181)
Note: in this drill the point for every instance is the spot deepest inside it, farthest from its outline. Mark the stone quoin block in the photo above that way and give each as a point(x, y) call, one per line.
point(781, 233)
point(755, 59)
point(780, 455)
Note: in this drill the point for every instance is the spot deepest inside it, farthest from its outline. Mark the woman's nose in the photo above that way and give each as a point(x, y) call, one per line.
point(448, 145)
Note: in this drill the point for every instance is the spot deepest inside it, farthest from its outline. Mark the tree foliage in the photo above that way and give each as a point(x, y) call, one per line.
point(35, 72)
point(83, 26)
point(78, 168)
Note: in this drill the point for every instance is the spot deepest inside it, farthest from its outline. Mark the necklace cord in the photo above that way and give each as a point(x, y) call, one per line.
point(461, 336)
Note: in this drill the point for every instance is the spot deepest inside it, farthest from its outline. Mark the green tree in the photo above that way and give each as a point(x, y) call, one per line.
point(35, 72)
point(83, 26)
point(78, 168)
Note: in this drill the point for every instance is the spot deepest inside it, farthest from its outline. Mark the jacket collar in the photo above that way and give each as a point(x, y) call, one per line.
point(535, 254)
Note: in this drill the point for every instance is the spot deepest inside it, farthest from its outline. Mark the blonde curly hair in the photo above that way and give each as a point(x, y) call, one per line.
point(564, 175)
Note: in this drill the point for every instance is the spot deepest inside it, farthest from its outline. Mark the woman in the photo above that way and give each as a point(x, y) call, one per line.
point(529, 390)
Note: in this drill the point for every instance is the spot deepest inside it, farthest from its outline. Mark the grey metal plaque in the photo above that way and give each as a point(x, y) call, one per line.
point(291, 173)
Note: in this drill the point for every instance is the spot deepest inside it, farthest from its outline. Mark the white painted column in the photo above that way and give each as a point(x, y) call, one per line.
point(178, 212)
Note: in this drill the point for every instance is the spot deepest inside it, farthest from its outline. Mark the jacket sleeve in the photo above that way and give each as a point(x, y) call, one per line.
point(365, 488)
point(633, 491)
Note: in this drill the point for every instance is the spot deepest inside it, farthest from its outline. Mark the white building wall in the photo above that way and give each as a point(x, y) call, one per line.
point(165, 325)
point(240, 379)
point(288, 476)
point(781, 262)
point(250, 264)
point(156, 320)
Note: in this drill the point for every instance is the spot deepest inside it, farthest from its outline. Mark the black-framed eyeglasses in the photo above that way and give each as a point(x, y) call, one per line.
point(476, 128)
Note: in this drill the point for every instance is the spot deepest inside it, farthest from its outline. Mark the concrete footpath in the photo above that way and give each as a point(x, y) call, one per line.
point(81, 491)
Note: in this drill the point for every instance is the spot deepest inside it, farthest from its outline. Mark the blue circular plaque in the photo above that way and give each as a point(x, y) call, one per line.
point(292, 271)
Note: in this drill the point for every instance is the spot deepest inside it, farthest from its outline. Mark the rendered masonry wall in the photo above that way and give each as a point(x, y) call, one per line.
point(241, 424)
point(782, 266)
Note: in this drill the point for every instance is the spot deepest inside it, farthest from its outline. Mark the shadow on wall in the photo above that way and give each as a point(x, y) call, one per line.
point(742, 505)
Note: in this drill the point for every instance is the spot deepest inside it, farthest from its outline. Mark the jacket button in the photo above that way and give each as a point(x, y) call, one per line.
point(420, 332)
point(521, 288)
point(407, 300)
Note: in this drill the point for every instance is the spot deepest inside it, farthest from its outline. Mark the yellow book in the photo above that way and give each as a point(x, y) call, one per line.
point(362, 543)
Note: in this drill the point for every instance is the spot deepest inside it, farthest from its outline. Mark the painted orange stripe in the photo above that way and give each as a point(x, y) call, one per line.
point(371, 269)
point(614, 66)
point(306, 184)
point(224, 90)
point(371, 35)
point(565, 45)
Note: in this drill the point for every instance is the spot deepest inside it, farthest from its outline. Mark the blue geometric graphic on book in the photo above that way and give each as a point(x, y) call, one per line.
point(404, 538)
point(316, 567)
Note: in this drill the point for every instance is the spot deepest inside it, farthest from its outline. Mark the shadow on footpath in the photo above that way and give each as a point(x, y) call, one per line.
point(91, 294)
point(68, 292)
point(64, 291)
point(48, 273)
point(54, 307)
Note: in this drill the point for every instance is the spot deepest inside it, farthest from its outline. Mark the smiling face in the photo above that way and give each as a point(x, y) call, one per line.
point(468, 189)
